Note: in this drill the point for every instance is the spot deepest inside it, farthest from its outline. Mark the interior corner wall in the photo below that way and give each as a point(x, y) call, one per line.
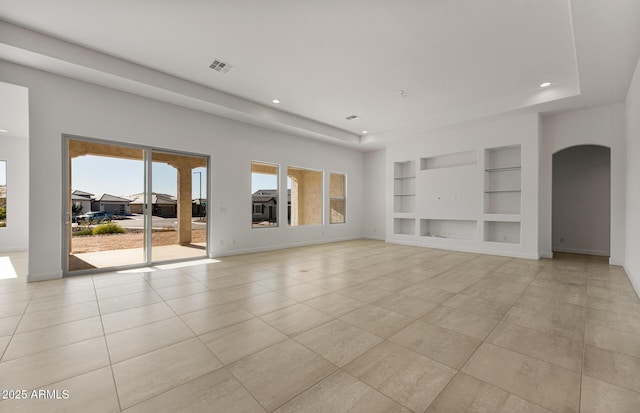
point(59, 105)
point(374, 195)
point(632, 255)
point(600, 125)
point(15, 236)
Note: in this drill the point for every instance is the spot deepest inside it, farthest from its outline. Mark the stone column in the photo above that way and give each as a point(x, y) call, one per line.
point(184, 204)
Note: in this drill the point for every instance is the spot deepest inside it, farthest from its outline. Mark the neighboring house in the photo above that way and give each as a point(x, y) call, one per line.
point(264, 205)
point(111, 204)
point(81, 201)
point(162, 205)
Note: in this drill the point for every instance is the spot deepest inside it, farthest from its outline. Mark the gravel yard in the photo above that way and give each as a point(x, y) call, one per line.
point(110, 242)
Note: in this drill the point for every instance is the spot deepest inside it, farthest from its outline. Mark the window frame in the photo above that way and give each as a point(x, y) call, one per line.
point(343, 198)
point(321, 196)
point(277, 196)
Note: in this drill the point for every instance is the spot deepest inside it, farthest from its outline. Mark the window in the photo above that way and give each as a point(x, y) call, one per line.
point(3, 194)
point(337, 195)
point(305, 206)
point(264, 195)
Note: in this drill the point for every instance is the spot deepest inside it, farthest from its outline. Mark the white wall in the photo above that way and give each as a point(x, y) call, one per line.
point(581, 200)
point(374, 196)
point(458, 192)
point(600, 125)
point(632, 253)
point(15, 235)
point(60, 105)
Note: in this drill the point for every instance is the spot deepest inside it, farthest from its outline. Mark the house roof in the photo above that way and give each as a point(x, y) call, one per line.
point(82, 194)
point(262, 199)
point(156, 198)
point(75, 197)
point(265, 195)
point(111, 198)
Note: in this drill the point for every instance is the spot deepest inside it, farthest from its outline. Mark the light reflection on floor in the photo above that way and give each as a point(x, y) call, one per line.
point(6, 269)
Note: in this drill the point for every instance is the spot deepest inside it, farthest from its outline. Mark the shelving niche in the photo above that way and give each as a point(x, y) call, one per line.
point(449, 160)
point(449, 228)
point(502, 231)
point(404, 226)
point(404, 186)
point(502, 180)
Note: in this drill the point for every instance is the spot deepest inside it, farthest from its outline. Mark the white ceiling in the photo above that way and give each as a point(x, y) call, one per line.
point(456, 59)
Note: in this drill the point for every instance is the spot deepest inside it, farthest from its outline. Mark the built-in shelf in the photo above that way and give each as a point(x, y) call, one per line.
point(449, 228)
point(502, 231)
point(438, 200)
point(502, 180)
point(404, 226)
point(404, 186)
point(506, 168)
point(449, 160)
point(503, 217)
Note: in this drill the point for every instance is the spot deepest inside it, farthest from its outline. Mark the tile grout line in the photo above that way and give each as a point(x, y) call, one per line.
point(483, 341)
point(18, 324)
point(104, 337)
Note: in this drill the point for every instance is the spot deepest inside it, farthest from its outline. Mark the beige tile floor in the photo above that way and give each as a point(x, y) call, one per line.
point(352, 326)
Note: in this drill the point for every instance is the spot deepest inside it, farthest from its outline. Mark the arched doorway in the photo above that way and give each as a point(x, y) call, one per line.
point(581, 200)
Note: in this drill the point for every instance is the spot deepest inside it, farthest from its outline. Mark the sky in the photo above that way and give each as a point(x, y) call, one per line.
point(265, 181)
point(3, 172)
point(123, 177)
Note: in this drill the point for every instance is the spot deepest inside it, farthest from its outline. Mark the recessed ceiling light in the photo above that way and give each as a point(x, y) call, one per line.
point(545, 84)
point(275, 101)
point(364, 132)
point(4, 130)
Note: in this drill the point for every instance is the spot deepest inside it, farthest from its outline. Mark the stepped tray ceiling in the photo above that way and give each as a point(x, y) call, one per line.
point(401, 67)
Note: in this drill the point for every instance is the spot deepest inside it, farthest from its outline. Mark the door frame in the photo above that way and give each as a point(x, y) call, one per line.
point(148, 179)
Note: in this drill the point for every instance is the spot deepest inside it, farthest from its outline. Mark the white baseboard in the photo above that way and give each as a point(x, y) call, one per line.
point(457, 247)
point(634, 278)
point(217, 254)
point(377, 238)
point(599, 253)
point(12, 249)
point(44, 276)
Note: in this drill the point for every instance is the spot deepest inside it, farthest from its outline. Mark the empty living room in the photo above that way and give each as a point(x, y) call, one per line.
point(425, 206)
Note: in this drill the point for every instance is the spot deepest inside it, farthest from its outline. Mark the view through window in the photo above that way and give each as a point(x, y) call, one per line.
point(264, 195)
point(306, 204)
point(3, 194)
point(117, 220)
point(337, 198)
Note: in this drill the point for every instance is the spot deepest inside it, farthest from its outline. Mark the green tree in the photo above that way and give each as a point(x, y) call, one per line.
point(3, 213)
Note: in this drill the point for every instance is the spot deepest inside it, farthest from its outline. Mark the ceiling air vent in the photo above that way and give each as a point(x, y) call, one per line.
point(352, 117)
point(220, 66)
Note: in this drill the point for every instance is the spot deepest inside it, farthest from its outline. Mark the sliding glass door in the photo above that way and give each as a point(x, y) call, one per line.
point(129, 206)
point(179, 219)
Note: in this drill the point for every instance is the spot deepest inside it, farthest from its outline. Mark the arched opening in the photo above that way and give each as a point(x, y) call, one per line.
point(581, 200)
